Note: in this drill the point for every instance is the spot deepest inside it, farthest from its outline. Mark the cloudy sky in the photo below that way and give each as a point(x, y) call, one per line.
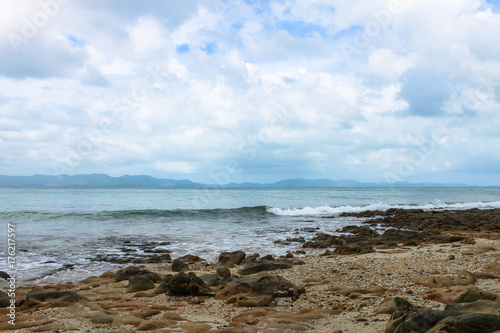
point(257, 90)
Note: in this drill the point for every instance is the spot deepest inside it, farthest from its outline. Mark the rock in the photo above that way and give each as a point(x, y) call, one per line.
point(236, 257)
point(197, 328)
point(151, 325)
point(4, 300)
point(372, 290)
point(263, 300)
point(179, 266)
point(140, 283)
point(262, 265)
point(127, 319)
point(481, 306)
point(361, 231)
point(211, 280)
point(223, 272)
point(53, 296)
point(462, 278)
point(4, 275)
point(269, 320)
point(183, 284)
point(421, 321)
point(437, 321)
point(390, 306)
point(250, 292)
point(126, 273)
point(353, 249)
point(458, 295)
point(191, 259)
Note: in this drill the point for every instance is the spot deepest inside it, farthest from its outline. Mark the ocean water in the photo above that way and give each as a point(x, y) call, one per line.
point(61, 232)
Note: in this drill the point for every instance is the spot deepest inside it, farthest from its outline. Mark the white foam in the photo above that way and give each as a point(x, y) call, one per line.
point(335, 211)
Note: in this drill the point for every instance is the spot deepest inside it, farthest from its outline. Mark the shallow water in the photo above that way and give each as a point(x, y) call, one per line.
point(60, 232)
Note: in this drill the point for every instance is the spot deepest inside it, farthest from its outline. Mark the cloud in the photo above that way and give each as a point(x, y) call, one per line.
point(176, 88)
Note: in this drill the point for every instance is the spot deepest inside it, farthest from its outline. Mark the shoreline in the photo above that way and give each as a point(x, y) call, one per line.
point(347, 288)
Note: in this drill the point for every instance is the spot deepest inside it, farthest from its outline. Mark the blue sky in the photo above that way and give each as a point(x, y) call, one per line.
point(238, 91)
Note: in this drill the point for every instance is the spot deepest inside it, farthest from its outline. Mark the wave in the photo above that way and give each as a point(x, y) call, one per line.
point(237, 213)
point(335, 211)
point(249, 212)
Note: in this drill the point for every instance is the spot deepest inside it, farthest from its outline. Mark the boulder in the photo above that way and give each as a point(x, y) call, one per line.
point(223, 272)
point(461, 294)
point(437, 321)
point(235, 258)
point(140, 283)
point(481, 306)
point(55, 296)
point(179, 266)
point(262, 265)
point(126, 273)
point(183, 284)
point(258, 292)
point(4, 300)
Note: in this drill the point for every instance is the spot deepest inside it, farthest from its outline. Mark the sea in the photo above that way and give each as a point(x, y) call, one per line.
point(61, 232)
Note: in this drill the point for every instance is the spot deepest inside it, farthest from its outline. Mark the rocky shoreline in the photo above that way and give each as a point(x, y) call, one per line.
point(402, 271)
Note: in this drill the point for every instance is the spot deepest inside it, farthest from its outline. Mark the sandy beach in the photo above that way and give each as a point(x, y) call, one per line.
point(446, 271)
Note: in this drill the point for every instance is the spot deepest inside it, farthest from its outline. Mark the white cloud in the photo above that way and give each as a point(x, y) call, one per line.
point(173, 88)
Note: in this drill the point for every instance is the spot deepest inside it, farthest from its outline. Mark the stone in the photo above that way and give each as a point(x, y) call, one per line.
point(436, 321)
point(459, 294)
point(223, 272)
point(126, 273)
point(480, 306)
point(191, 259)
point(53, 296)
point(236, 257)
point(262, 265)
point(258, 292)
point(4, 300)
point(461, 278)
point(140, 283)
point(212, 280)
point(179, 266)
point(391, 305)
point(4, 275)
point(183, 284)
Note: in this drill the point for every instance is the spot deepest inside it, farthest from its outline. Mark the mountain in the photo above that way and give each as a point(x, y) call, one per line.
point(103, 180)
point(93, 180)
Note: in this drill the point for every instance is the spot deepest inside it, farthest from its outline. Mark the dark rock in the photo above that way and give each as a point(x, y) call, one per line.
point(4, 300)
point(211, 280)
point(235, 258)
point(129, 272)
point(353, 249)
point(265, 265)
point(250, 259)
point(126, 273)
point(183, 284)
point(468, 323)
point(4, 275)
point(52, 296)
point(191, 259)
point(179, 266)
point(247, 292)
point(223, 272)
point(361, 231)
point(140, 283)
point(481, 306)
point(434, 321)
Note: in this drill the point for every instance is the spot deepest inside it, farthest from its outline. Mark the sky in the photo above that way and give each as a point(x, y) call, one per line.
point(252, 91)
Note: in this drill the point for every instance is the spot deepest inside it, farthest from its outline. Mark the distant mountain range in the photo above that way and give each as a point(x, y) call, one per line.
point(103, 180)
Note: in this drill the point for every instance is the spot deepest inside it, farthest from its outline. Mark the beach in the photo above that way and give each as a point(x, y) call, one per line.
point(423, 268)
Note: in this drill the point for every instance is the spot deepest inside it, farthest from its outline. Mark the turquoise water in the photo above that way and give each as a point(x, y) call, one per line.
point(61, 226)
